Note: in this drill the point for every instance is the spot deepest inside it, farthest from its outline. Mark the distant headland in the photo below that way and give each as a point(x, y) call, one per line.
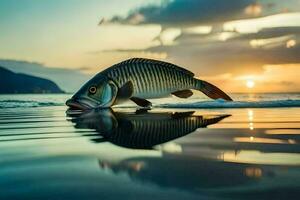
point(17, 83)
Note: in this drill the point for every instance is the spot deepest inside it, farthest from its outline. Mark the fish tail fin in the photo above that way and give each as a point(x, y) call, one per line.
point(211, 91)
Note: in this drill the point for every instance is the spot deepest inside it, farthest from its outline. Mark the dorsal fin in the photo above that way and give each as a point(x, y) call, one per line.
point(157, 62)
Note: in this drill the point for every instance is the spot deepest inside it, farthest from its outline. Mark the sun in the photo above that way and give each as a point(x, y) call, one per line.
point(250, 83)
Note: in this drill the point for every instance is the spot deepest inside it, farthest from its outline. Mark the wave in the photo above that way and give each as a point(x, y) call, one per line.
point(233, 104)
point(26, 104)
point(200, 104)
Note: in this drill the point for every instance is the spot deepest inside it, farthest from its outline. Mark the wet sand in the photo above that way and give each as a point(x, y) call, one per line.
point(252, 154)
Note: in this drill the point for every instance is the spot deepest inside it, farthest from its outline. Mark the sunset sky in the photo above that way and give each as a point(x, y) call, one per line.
point(240, 45)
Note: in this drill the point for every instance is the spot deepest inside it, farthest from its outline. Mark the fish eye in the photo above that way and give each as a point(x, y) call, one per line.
point(93, 89)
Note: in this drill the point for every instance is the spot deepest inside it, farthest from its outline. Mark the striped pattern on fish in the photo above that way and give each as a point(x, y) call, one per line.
point(151, 78)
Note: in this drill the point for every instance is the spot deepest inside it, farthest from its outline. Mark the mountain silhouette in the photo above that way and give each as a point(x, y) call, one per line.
point(63, 76)
point(14, 83)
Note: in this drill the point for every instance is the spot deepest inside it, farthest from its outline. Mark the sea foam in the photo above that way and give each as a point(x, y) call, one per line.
point(26, 104)
point(233, 104)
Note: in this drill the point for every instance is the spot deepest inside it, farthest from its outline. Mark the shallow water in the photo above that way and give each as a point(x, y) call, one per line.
point(166, 153)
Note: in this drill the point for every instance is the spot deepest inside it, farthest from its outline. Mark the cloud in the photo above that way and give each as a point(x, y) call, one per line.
point(254, 9)
point(256, 24)
point(186, 12)
point(139, 53)
point(202, 12)
point(266, 33)
point(235, 56)
point(286, 40)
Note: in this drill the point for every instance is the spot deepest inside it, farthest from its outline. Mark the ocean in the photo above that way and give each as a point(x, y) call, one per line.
point(181, 149)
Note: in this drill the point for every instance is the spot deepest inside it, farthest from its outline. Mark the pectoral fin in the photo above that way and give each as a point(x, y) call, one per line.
point(141, 102)
point(178, 115)
point(141, 111)
point(183, 93)
point(125, 92)
point(99, 140)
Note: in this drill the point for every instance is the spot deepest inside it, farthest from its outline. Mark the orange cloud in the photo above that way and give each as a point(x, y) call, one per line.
point(274, 78)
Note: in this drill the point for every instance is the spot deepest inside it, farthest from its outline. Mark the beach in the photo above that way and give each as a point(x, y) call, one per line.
point(248, 149)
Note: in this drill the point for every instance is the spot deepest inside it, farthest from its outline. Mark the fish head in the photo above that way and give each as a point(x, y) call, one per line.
point(101, 120)
point(99, 92)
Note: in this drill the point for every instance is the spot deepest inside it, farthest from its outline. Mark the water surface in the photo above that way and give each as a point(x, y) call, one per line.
point(166, 153)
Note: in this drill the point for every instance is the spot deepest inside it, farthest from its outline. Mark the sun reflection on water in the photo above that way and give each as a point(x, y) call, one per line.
point(250, 119)
point(253, 172)
point(264, 140)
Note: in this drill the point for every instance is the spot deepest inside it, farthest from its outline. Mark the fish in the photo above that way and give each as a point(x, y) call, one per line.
point(139, 79)
point(141, 129)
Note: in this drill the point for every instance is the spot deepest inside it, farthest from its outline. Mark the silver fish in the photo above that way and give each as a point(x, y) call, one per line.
point(139, 79)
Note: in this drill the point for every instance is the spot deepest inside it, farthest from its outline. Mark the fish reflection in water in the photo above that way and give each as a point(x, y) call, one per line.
point(142, 129)
point(189, 169)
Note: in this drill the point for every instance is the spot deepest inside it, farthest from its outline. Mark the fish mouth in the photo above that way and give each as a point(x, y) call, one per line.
point(76, 105)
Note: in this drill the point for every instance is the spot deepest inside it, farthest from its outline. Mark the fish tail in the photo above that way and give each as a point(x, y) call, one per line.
point(210, 90)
